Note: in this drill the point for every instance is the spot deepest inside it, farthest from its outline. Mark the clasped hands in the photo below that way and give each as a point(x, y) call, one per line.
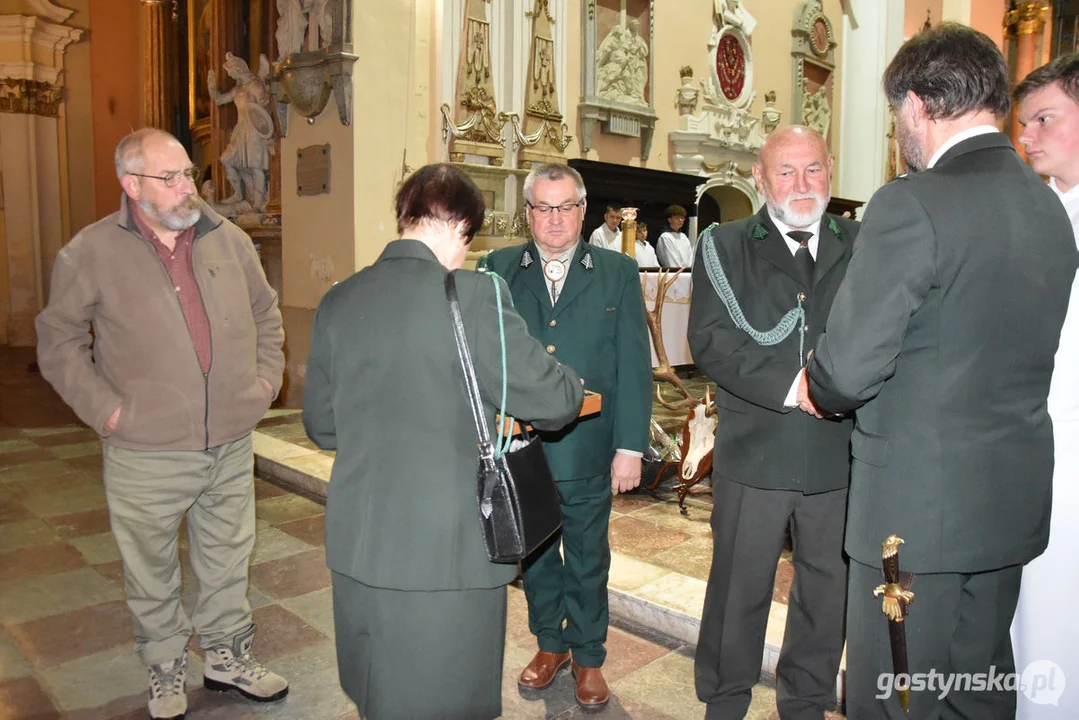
point(805, 402)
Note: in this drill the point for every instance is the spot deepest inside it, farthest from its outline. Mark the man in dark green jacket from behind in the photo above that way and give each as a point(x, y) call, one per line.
point(585, 305)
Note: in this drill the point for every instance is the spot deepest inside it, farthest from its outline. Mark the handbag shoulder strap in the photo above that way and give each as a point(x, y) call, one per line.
point(471, 385)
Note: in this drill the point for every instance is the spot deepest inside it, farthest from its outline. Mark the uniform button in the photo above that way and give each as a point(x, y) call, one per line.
point(802, 296)
point(550, 348)
point(177, 288)
point(553, 323)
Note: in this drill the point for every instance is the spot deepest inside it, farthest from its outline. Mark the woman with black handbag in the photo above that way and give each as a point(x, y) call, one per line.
point(419, 610)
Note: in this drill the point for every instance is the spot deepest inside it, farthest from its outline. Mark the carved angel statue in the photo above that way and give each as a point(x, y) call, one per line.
point(622, 65)
point(816, 112)
point(291, 27)
point(300, 20)
point(246, 159)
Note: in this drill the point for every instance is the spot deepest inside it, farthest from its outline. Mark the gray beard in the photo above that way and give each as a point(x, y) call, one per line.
point(787, 216)
point(175, 220)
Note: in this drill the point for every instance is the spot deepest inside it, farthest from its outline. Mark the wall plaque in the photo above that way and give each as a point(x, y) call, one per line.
point(313, 170)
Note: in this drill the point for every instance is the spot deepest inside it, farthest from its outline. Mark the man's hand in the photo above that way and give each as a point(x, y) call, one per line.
point(625, 473)
point(113, 421)
point(804, 401)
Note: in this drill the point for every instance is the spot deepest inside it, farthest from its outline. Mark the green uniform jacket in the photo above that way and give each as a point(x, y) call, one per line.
point(942, 336)
point(759, 441)
point(598, 328)
point(385, 389)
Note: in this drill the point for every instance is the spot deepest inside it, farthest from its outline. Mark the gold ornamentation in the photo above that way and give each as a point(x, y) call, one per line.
point(542, 6)
point(557, 132)
point(895, 597)
point(477, 54)
point(1029, 18)
point(591, 9)
point(30, 97)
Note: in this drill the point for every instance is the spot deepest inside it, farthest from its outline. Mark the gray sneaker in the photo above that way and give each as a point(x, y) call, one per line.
point(229, 666)
point(168, 697)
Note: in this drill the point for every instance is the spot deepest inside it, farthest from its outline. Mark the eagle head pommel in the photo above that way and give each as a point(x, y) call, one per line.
point(890, 546)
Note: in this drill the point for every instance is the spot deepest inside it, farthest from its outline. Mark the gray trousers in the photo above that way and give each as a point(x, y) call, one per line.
point(148, 495)
point(748, 528)
point(420, 655)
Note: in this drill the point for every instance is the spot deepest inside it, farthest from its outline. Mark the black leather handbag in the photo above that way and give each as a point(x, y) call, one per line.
point(518, 502)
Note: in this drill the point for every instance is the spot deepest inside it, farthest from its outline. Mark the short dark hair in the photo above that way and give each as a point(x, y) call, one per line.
point(440, 192)
point(1063, 69)
point(954, 69)
point(675, 211)
point(612, 206)
point(642, 226)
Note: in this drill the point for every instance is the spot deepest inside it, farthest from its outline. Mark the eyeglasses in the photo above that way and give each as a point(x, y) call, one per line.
point(563, 209)
point(171, 179)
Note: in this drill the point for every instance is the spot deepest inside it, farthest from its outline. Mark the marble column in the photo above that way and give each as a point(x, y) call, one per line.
point(1025, 26)
point(159, 64)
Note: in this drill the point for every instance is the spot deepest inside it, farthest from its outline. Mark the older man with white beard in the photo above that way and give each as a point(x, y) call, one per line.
point(780, 466)
point(185, 358)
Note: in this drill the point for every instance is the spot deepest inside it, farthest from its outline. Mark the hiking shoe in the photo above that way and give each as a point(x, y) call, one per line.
point(229, 666)
point(168, 697)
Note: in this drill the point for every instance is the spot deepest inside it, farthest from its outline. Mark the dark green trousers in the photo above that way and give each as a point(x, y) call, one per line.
point(567, 599)
point(958, 628)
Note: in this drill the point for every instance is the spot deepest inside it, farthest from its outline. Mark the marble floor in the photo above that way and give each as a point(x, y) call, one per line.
point(66, 636)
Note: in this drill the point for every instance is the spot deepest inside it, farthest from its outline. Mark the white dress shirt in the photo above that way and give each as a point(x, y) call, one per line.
point(604, 237)
point(674, 249)
point(958, 138)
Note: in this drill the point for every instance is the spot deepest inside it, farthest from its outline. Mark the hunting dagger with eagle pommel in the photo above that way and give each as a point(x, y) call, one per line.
point(897, 599)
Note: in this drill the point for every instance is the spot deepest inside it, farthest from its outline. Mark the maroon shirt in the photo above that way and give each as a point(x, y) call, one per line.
point(178, 264)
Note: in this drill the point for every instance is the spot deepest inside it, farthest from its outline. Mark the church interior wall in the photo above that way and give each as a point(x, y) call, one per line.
point(115, 89)
point(914, 15)
point(5, 283)
point(318, 244)
point(79, 123)
point(682, 31)
point(986, 15)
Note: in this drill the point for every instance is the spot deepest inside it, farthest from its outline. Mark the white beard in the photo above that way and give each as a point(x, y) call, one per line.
point(788, 216)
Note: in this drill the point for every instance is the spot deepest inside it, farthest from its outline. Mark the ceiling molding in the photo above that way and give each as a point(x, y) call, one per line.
point(29, 71)
point(49, 11)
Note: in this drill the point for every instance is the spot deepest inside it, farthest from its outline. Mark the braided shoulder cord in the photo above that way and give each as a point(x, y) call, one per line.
point(795, 317)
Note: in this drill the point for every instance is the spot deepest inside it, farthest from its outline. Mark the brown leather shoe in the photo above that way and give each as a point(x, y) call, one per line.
point(542, 670)
point(592, 692)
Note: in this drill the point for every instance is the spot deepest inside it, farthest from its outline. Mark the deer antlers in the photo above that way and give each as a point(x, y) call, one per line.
point(665, 373)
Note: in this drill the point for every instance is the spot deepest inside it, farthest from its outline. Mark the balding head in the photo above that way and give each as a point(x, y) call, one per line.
point(792, 135)
point(793, 174)
point(130, 154)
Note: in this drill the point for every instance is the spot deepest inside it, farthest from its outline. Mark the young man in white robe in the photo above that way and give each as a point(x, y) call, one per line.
point(1045, 637)
point(608, 235)
point(674, 248)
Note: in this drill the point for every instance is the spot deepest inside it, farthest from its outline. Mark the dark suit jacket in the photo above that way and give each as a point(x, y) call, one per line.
point(759, 442)
point(385, 389)
point(598, 328)
point(943, 336)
